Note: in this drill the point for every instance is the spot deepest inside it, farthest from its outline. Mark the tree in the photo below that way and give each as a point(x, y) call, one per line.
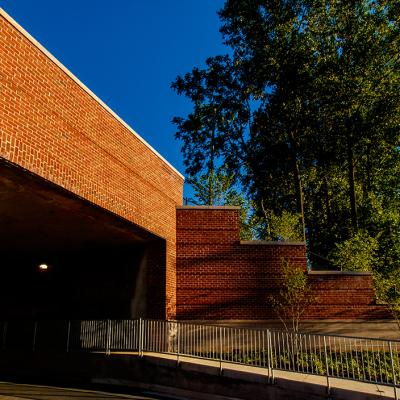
point(356, 254)
point(294, 298)
point(285, 227)
point(225, 193)
point(306, 113)
point(387, 288)
point(358, 74)
point(213, 189)
point(214, 130)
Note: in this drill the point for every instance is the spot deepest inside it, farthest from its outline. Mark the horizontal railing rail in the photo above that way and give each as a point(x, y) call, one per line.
point(345, 357)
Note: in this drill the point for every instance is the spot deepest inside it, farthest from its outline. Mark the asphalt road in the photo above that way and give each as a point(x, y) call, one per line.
point(13, 391)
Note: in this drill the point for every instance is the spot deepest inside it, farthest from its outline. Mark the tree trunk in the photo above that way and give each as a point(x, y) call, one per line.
point(352, 190)
point(327, 202)
point(299, 196)
point(211, 171)
point(298, 185)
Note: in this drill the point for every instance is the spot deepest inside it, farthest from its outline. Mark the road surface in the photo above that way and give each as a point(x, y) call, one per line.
point(13, 391)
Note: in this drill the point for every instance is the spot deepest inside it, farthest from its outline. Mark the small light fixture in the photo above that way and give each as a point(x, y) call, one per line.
point(43, 267)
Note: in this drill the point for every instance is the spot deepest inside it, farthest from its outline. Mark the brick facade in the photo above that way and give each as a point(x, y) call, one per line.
point(221, 277)
point(54, 127)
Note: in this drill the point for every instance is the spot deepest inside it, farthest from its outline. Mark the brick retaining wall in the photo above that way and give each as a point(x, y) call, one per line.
point(221, 277)
point(344, 295)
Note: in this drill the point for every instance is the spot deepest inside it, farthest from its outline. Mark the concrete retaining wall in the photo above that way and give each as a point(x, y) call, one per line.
point(187, 380)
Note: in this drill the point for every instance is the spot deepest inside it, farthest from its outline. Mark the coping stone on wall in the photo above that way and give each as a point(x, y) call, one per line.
point(271, 243)
point(339, 273)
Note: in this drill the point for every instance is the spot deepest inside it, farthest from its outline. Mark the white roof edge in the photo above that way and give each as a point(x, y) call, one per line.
point(83, 86)
point(228, 208)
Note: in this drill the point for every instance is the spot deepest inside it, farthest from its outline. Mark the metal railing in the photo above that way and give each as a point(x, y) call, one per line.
point(344, 357)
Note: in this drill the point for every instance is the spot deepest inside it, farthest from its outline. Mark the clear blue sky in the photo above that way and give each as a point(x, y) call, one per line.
point(128, 52)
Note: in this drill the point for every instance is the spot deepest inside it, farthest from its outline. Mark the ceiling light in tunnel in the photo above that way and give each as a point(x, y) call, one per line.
point(43, 267)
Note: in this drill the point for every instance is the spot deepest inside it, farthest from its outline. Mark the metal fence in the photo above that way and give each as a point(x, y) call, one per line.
point(355, 358)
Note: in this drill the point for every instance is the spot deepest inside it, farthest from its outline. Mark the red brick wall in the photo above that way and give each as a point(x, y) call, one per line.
point(51, 126)
point(341, 295)
point(219, 277)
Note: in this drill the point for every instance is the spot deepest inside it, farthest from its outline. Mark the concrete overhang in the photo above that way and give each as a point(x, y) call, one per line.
point(37, 216)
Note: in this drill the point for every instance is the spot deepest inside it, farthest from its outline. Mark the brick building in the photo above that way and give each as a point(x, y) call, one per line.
point(83, 193)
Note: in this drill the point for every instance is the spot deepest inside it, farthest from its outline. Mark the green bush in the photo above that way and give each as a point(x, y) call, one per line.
point(365, 365)
point(355, 254)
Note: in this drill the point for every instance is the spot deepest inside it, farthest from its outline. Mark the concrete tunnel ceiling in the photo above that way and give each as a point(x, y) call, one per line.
point(37, 216)
point(97, 261)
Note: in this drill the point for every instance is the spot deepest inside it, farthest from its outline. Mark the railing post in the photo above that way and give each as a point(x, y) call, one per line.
point(220, 350)
point(68, 334)
point(271, 358)
point(107, 333)
point(34, 336)
point(178, 344)
point(140, 337)
point(108, 338)
point(328, 386)
point(393, 370)
point(269, 352)
point(5, 327)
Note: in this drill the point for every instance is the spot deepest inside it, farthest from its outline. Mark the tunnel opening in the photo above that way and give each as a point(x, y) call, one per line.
point(65, 258)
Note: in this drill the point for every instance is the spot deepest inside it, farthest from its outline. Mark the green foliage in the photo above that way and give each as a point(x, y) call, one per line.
point(213, 189)
point(219, 189)
point(356, 254)
point(305, 111)
point(250, 224)
point(387, 289)
point(294, 297)
point(384, 222)
point(358, 364)
point(285, 227)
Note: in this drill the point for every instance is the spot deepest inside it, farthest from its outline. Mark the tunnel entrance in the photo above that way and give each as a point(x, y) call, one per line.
point(63, 257)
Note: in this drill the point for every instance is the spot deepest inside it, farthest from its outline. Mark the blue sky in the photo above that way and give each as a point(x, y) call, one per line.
point(128, 52)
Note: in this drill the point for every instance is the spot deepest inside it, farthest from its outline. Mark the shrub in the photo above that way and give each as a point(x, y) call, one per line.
point(356, 254)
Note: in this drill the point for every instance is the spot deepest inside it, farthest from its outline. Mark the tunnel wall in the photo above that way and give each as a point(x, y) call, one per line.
point(56, 128)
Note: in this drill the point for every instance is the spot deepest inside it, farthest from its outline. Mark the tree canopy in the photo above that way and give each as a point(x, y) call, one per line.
point(304, 111)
